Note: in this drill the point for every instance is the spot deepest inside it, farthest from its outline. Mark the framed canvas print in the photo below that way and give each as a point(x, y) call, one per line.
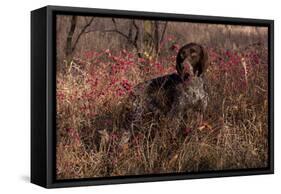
point(125, 96)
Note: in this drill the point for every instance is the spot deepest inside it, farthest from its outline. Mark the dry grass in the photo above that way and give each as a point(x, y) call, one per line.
point(92, 92)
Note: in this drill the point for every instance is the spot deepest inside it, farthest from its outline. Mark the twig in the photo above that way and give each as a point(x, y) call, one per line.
point(119, 32)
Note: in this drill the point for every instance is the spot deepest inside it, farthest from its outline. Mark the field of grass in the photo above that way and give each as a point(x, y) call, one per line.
point(93, 89)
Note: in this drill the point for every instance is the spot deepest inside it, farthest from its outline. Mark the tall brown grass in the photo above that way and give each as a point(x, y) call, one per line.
point(93, 89)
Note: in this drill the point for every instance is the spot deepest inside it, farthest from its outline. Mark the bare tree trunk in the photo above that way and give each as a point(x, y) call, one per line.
point(148, 42)
point(163, 32)
point(68, 49)
point(156, 38)
point(136, 38)
point(70, 44)
point(153, 37)
point(130, 35)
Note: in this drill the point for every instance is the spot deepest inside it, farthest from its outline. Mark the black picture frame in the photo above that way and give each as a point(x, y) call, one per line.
point(43, 100)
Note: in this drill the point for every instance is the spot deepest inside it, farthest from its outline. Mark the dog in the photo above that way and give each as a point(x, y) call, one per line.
point(171, 96)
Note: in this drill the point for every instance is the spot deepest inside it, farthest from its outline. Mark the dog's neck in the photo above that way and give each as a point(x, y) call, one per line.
point(186, 78)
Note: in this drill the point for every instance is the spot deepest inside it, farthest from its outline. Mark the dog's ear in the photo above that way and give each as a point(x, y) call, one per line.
point(202, 64)
point(179, 61)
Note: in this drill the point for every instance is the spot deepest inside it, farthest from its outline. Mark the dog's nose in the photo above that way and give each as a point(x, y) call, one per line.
point(187, 67)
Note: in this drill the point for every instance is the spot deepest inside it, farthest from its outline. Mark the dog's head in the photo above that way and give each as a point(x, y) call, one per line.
point(193, 58)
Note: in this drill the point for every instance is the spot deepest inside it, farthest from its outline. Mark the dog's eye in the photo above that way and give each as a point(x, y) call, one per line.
point(192, 50)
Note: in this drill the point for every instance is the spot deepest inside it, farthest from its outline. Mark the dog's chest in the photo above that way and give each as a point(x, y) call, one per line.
point(193, 93)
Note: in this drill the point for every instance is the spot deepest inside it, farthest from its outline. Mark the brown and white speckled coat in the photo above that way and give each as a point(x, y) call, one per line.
point(173, 95)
